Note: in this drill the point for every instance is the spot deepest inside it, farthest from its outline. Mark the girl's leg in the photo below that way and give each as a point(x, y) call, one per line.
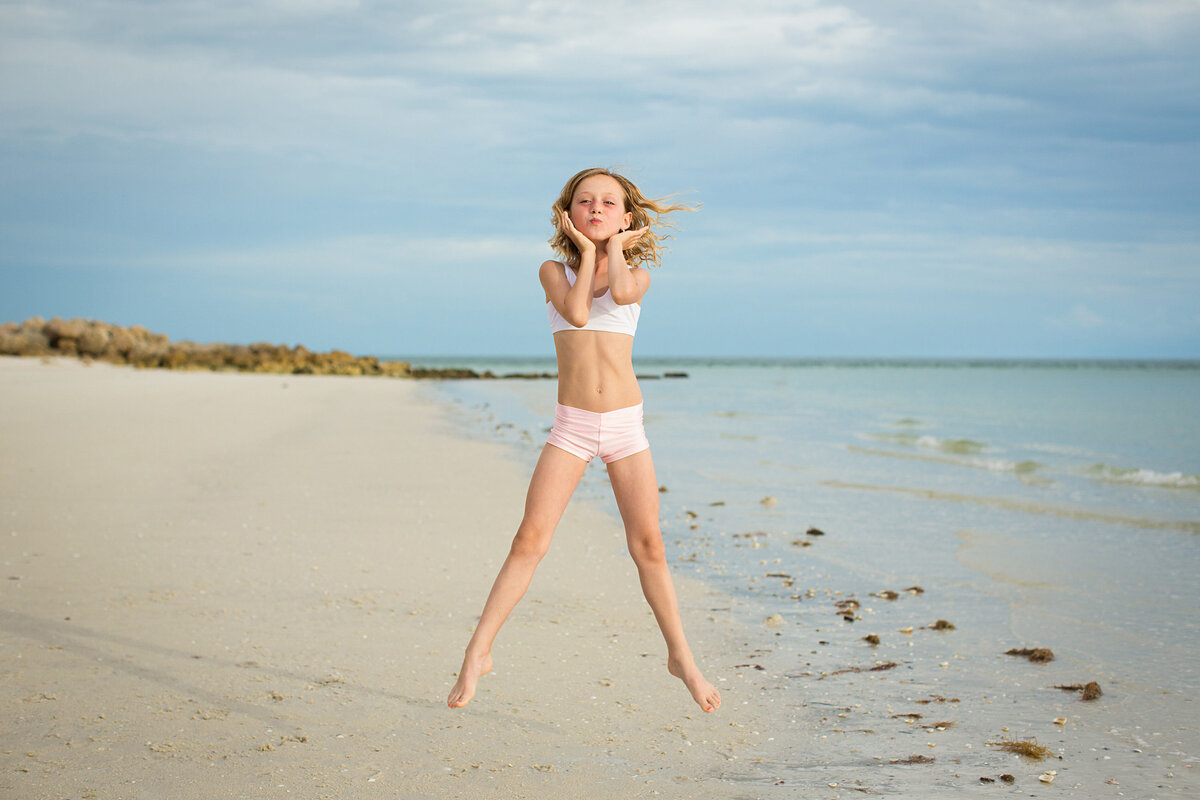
point(553, 482)
point(636, 490)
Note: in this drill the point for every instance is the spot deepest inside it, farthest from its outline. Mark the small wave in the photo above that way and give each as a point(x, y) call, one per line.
point(907, 439)
point(1060, 450)
point(1004, 465)
point(1011, 504)
point(1021, 468)
point(1144, 477)
point(962, 447)
point(956, 446)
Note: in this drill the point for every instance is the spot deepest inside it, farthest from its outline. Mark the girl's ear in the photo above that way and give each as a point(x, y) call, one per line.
point(628, 220)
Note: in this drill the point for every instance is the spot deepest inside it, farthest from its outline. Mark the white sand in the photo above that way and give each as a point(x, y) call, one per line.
point(259, 586)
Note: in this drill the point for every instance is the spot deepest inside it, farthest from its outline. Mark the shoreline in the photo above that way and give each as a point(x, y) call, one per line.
point(97, 341)
point(808, 667)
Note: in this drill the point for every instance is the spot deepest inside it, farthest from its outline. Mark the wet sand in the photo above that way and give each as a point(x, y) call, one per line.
point(259, 586)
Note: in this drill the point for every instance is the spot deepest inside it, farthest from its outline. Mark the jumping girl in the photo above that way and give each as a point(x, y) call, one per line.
point(602, 231)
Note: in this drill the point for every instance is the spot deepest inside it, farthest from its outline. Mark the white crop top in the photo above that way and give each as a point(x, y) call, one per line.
point(605, 314)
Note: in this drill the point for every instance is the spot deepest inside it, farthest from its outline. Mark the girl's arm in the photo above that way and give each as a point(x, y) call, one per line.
point(574, 303)
point(627, 284)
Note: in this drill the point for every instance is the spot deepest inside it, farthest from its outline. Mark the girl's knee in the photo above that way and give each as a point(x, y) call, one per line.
point(647, 549)
point(531, 541)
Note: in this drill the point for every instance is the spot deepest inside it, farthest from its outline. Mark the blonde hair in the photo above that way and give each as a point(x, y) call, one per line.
point(647, 249)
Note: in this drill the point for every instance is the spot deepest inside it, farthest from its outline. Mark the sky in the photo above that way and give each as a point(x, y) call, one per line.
point(937, 178)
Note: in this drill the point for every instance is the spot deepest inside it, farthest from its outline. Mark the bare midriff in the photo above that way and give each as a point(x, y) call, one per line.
point(595, 370)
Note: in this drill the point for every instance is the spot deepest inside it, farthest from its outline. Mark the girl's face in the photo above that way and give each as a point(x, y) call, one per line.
point(598, 208)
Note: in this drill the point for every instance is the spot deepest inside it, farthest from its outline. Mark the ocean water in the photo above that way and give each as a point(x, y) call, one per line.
point(1037, 504)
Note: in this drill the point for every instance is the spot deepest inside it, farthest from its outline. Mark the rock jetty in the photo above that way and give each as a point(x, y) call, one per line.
point(139, 347)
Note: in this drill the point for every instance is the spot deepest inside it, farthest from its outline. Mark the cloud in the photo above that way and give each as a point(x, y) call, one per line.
point(351, 255)
point(339, 77)
point(857, 148)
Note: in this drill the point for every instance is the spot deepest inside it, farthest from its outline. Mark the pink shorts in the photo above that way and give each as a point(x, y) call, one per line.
point(608, 434)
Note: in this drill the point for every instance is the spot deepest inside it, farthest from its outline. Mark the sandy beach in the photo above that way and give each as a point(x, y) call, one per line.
point(259, 586)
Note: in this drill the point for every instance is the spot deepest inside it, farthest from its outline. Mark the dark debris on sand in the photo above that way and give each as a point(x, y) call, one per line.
point(1090, 691)
point(913, 760)
point(1023, 747)
point(877, 668)
point(1006, 778)
point(1037, 655)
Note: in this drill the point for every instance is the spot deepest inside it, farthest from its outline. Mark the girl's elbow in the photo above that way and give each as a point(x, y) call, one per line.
point(576, 320)
point(625, 298)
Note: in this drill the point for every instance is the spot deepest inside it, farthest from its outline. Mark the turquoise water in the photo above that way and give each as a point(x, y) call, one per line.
point(1037, 504)
point(900, 460)
point(1114, 438)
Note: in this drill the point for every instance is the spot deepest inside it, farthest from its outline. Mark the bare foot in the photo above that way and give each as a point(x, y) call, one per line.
point(702, 691)
point(468, 676)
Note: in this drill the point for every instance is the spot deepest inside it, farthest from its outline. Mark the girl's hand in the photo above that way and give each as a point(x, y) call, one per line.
point(625, 239)
point(582, 242)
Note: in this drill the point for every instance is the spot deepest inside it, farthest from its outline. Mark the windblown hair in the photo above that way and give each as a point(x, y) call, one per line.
point(646, 212)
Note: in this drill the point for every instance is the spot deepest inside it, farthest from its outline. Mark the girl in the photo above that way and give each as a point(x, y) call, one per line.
point(602, 224)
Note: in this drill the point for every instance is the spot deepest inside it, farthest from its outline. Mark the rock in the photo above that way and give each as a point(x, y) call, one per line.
point(58, 329)
point(121, 342)
point(33, 324)
point(25, 342)
point(139, 347)
point(145, 355)
point(94, 340)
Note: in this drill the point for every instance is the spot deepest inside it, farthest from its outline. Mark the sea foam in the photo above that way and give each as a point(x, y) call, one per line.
point(1144, 477)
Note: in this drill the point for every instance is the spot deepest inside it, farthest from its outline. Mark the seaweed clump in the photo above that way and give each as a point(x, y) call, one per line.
point(1090, 690)
point(846, 608)
point(1023, 747)
point(1038, 655)
point(1006, 778)
point(883, 667)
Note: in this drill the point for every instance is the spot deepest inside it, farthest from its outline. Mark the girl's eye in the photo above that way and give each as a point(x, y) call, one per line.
point(609, 203)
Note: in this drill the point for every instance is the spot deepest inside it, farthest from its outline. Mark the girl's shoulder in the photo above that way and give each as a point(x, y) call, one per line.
point(551, 269)
point(553, 273)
